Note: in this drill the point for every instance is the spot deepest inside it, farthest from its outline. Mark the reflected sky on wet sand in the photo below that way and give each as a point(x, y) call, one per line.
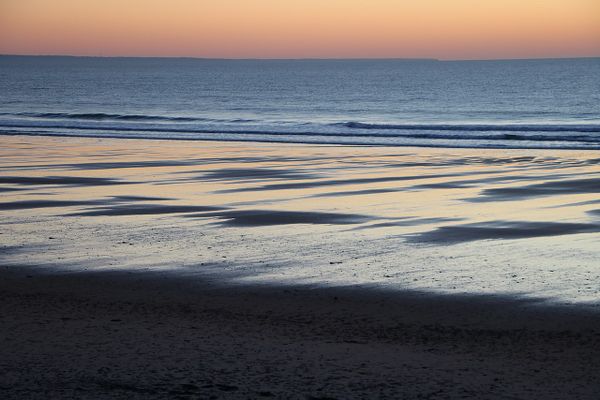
point(522, 222)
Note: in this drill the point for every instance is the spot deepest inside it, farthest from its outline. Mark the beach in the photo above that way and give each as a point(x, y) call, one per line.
point(121, 335)
point(166, 268)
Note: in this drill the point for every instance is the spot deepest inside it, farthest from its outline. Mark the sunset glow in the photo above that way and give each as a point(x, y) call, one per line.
point(460, 29)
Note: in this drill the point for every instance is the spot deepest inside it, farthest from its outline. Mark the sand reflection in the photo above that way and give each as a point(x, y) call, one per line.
point(435, 219)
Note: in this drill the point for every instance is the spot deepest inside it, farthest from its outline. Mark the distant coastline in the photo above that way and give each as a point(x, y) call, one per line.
point(302, 58)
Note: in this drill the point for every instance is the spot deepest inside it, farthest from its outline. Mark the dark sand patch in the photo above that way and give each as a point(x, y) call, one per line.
point(501, 230)
point(140, 198)
point(551, 188)
point(579, 203)
point(126, 164)
point(460, 184)
point(409, 221)
point(16, 249)
point(501, 178)
point(228, 217)
point(446, 185)
point(249, 174)
point(355, 192)
point(60, 180)
point(29, 204)
point(171, 163)
point(143, 209)
point(472, 160)
point(333, 182)
point(250, 218)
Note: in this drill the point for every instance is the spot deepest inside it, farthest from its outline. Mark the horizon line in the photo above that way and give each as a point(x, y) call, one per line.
point(306, 58)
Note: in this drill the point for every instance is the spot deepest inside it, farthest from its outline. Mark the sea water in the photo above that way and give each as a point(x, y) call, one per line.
point(551, 103)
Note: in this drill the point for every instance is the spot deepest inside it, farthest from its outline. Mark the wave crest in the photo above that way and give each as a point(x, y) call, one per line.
point(589, 128)
point(120, 117)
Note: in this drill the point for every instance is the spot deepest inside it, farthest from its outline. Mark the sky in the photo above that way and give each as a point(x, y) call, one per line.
point(443, 29)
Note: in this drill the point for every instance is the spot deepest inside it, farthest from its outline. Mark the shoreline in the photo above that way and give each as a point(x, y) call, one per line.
point(298, 143)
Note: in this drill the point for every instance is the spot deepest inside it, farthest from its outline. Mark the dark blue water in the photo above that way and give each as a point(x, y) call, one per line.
point(513, 104)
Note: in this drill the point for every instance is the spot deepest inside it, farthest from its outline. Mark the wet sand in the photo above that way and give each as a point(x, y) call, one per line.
point(138, 268)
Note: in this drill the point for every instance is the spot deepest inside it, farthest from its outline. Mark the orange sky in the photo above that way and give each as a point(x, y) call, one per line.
point(446, 29)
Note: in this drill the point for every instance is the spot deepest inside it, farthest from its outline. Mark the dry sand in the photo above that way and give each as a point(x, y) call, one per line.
point(144, 335)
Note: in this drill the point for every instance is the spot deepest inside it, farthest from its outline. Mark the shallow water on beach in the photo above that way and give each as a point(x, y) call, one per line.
point(518, 222)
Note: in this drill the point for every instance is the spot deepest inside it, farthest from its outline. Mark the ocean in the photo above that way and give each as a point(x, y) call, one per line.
point(546, 104)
